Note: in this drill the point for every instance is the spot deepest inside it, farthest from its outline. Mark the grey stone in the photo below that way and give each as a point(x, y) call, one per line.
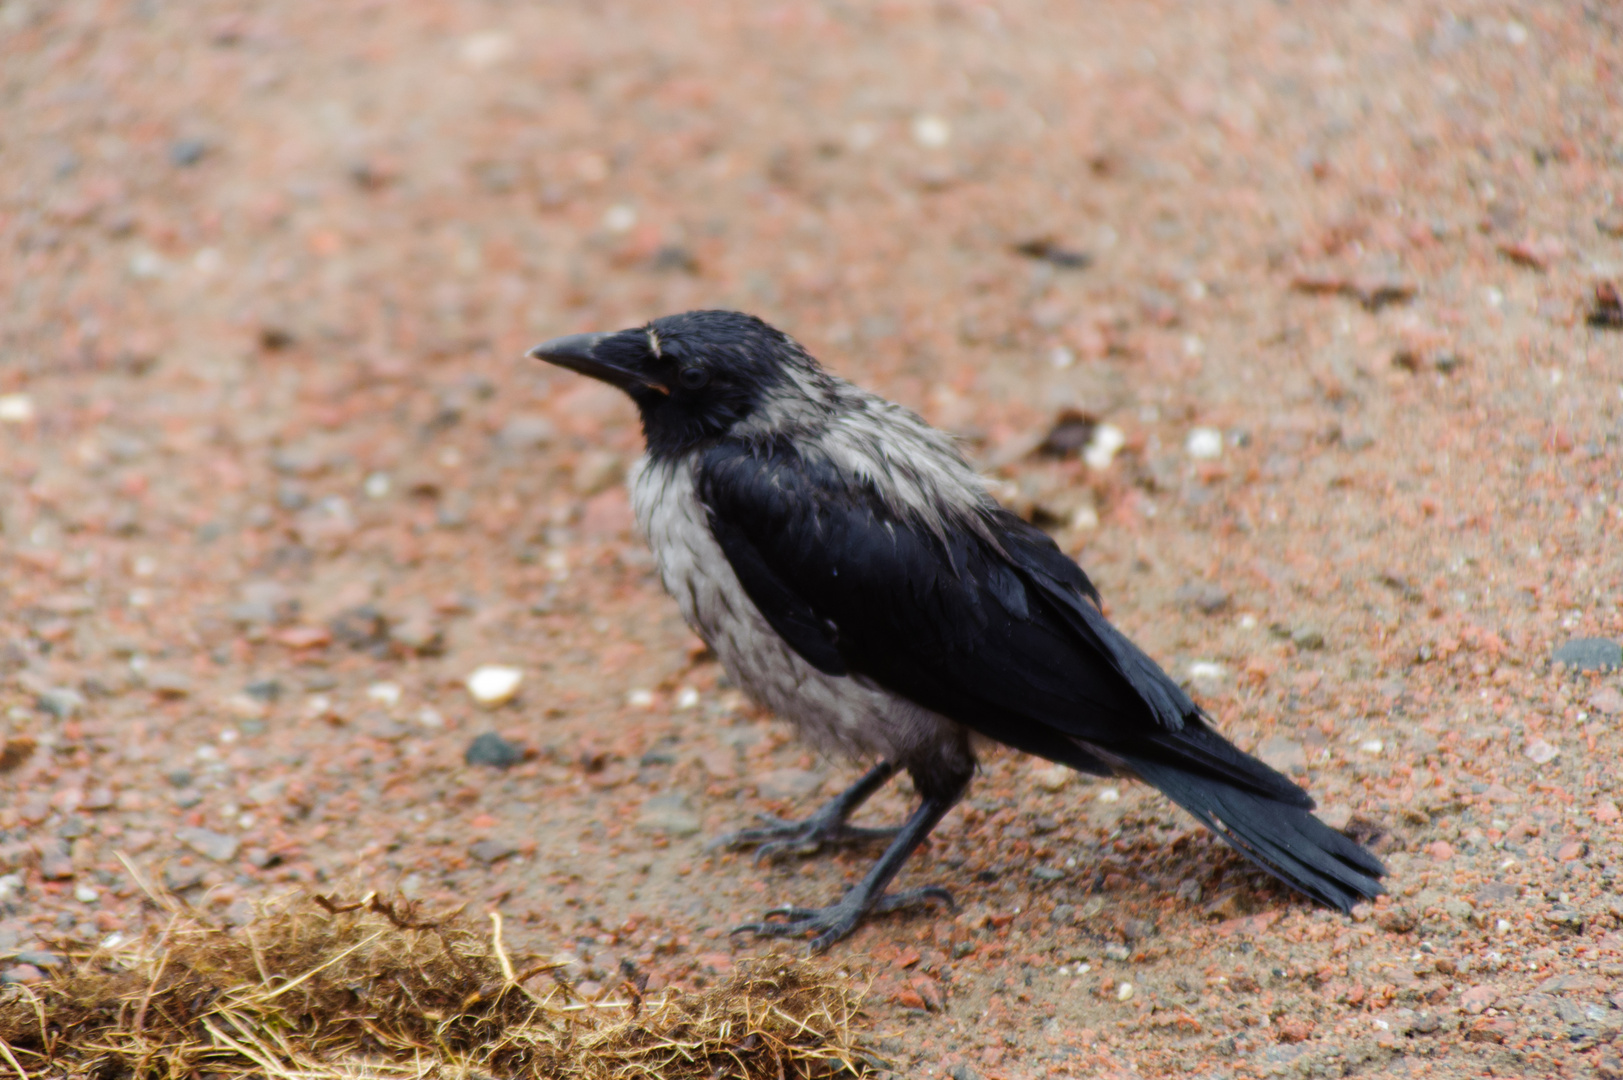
point(266, 690)
point(491, 749)
point(1590, 654)
point(39, 958)
point(1308, 637)
point(669, 814)
point(61, 702)
point(208, 843)
point(1205, 597)
point(178, 878)
point(184, 153)
point(492, 851)
point(788, 783)
point(526, 432)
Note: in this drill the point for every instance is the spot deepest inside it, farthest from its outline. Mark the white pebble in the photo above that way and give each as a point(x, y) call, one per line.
point(619, 218)
point(1205, 669)
point(494, 684)
point(430, 718)
point(1540, 751)
point(1373, 746)
point(86, 895)
point(1101, 449)
point(1109, 794)
point(640, 699)
point(1061, 357)
point(687, 698)
point(16, 408)
point(1205, 444)
point(486, 50)
point(1085, 519)
point(377, 485)
point(1124, 991)
point(386, 692)
point(1515, 33)
point(931, 131)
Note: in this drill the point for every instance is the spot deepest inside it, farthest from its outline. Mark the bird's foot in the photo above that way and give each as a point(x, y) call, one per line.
point(832, 923)
point(777, 837)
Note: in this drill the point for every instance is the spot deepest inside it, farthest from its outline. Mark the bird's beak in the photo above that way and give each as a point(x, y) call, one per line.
point(578, 352)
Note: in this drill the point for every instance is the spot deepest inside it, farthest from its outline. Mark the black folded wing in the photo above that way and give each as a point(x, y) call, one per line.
point(994, 627)
point(985, 621)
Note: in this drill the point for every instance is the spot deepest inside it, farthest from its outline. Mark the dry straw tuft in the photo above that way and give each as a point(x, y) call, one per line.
point(372, 990)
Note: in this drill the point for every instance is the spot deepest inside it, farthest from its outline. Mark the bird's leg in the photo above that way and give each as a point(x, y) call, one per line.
point(827, 826)
point(834, 922)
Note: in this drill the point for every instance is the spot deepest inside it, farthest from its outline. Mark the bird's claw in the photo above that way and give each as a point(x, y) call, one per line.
point(777, 837)
point(834, 922)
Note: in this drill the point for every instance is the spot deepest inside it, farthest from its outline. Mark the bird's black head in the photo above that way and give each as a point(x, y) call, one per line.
point(694, 376)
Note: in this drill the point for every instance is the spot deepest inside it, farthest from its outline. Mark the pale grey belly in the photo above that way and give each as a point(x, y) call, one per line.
point(838, 714)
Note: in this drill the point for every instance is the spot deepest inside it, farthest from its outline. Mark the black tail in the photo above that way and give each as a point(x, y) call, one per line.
point(1260, 814)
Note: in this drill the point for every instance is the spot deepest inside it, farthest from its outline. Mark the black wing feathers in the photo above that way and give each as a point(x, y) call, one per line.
point(999, 630)
point(813, 638)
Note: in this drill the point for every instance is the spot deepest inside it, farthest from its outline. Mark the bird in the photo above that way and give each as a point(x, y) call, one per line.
point(854, 575)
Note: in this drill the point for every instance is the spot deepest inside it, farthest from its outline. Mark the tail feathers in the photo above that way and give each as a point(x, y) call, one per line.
point(1197, 748)
point(1284, 839)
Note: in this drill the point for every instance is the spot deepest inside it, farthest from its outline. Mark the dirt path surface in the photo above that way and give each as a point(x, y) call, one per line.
point(274, 481)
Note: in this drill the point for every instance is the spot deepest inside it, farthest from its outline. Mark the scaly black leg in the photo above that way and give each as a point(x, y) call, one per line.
point(826, 826)
point(834, 922)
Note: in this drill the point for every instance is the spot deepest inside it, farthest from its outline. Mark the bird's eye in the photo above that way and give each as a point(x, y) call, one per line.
point(692, 378)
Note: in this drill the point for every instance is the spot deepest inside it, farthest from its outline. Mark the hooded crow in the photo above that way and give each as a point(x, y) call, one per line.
point(853, 575)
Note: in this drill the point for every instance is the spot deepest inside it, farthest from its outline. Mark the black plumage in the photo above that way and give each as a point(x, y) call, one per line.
point(893, 607)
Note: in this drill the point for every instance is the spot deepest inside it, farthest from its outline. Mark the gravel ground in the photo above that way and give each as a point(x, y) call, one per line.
point(275, 481)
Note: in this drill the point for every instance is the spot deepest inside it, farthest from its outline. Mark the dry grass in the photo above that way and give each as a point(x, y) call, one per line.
point(318, 991)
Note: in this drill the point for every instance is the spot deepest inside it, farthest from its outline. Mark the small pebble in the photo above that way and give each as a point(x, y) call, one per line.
point(169, 684)
point(526, 432)
point(1590, 654)
point(640, 699)
point(1053, 778)
point(208, 843)
point(184, 153)
point(494, 684)
point(387, 693)
point(85, 894)
point(1540, 751)
point(669, 814)
point(492, 851)
point(1124, 991)
point(1308, 637)
point(491, 749)
point(1109, 795)
point(1101, 450)
point(931, 131)
point(687, 698)
point(1204, 444)
point(16, 408)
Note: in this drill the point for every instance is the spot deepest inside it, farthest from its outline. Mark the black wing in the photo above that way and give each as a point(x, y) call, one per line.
point(1004, 637)
point(1001, 632)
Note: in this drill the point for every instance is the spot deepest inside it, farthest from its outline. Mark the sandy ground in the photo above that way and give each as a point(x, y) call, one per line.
point(274, 480)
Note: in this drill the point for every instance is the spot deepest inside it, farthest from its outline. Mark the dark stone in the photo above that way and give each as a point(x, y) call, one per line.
point(1590, 654)
point(491, 749)
point(266, 690)
point(1208, 598)
point(184, 153)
